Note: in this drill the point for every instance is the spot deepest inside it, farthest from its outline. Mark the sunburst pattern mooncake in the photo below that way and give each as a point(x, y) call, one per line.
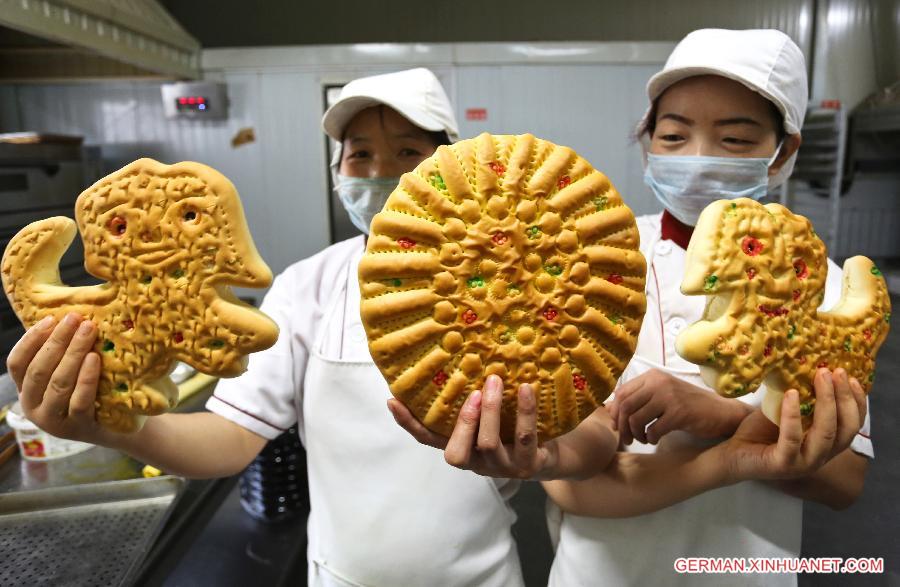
point(508, 255)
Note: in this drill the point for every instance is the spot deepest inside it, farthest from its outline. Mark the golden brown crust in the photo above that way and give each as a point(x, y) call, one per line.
point(507, 255)
point(168, 240)
point(763, 269)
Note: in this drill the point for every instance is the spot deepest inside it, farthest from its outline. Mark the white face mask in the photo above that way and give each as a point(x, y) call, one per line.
point(364, 197)
point(685, 185)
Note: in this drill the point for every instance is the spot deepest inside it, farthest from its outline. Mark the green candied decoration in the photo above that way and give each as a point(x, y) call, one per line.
point(477, 281)
point(122, 386)
point(710, 283)
point(875, 271)
point(553, 269)
point(871, 377)
point(513, 289)
point(533, 232)
point(806, 409)
point(146, 279)
point(887, 316)
point(108, 346)
point(791, 332)
point(395, 281)
point(506, 336)
point(438, 182)
point(601, 203)
point(216, 343)
point(732, 210)
point(178, 273)
point(738, 390)
point(847, 344)
point(713, 356)
point(615, 319)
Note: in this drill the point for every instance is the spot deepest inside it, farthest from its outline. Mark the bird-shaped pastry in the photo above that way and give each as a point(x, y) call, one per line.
point(763, 271)
point(168, 241)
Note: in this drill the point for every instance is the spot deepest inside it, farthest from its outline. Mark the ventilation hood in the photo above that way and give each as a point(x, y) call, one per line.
point(78, 40)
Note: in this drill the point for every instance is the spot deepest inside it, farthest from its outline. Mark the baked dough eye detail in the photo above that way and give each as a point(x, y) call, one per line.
point(525, 263)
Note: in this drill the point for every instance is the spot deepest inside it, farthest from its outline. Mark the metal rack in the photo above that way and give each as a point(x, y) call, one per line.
point(819, 172)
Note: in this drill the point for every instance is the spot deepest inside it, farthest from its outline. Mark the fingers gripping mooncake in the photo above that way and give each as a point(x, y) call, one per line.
point(763, 269)
point(504, 255)
point(168, 240)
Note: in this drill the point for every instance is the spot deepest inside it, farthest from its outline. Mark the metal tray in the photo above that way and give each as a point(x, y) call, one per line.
point(82, 535)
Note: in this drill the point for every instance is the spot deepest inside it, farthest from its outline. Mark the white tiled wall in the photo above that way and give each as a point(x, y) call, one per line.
point(282, 177)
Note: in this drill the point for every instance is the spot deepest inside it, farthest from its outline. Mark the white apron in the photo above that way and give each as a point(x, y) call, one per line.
point(385, 510)
point(745, 520)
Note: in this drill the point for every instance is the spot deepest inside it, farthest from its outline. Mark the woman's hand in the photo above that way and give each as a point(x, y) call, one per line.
point(475, 442)
point(760, 450)
point(671, 404)
point(57, 377)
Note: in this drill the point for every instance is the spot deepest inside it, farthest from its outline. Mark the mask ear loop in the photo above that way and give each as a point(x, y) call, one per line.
point(775, 155)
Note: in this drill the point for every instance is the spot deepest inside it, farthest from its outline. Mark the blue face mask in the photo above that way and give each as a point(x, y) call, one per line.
point(687, 185)
point(364, 197)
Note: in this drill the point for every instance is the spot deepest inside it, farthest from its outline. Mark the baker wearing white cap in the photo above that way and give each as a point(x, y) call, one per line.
point(426, 113)
point(724, 121)
point(384, 510)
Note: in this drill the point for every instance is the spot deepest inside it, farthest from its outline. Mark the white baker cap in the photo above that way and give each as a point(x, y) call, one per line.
point(414, 93)
point(765, 60)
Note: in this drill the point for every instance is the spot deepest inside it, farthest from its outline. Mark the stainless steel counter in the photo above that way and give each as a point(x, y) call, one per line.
point(208, 538)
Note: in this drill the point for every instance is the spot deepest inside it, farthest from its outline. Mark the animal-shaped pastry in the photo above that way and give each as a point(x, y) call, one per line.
point(507, 255)
point(167, 240)
point(763, 271)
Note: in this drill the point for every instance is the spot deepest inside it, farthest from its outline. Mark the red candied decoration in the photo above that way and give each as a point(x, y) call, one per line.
point(128, 324)
point(822, 365)
point(795, 294)
point(767, 351)
point(406, 243)
point(801, 269)
point(440, 378)
point(117, 225)
point(563, 181)
point(751, 246)
point(579, 381)
point(615, 278)
point(550, 313)
point(801, 359)
point(772, 312)
point(751, 273)
point(867, 334)
point(496, 167)
point(179, 338)
point(469, 316)
point(499, 238)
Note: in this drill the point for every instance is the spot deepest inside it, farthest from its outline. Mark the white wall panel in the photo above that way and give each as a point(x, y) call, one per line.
point(591, 108)
point(845, 65)
point(282, 176)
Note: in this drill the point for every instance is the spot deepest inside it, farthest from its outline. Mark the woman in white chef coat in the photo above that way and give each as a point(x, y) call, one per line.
point(724, 121)
point(385, 511)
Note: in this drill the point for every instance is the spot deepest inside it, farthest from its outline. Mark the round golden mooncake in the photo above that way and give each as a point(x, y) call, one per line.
point(505, 255)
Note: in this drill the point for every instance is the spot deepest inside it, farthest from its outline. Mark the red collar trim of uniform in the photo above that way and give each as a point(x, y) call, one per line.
point(675, 230)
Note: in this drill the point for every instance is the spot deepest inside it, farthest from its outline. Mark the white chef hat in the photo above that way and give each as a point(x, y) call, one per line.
point(766, 60)
point(416, 94)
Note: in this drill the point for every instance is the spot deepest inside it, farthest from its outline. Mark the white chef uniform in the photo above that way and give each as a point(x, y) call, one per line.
point(385, 510)
point(749, 519)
